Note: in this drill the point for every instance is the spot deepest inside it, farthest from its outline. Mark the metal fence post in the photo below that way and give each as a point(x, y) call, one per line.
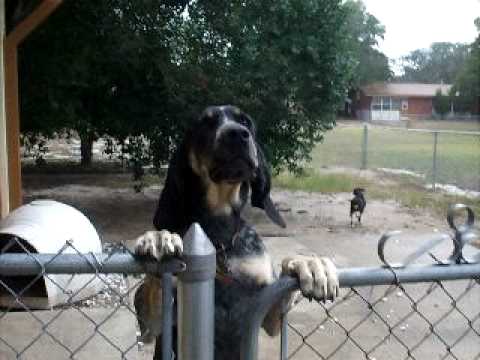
point(167, 315)
point(196, 301)
point(434, 166)
point(365, 147)
point(284, 333)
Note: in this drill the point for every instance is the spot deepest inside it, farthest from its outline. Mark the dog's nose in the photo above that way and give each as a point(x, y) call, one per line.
point(237, 134)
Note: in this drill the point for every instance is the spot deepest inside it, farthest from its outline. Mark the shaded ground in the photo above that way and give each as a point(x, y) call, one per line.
point(315, 221)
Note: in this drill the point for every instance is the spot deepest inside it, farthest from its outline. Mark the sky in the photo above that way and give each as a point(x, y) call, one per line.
point(415, 24)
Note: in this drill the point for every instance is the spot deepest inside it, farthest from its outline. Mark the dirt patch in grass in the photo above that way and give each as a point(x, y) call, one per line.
point(408, 191)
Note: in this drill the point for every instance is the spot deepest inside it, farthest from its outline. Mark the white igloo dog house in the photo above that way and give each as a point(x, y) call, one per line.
point(44, 226)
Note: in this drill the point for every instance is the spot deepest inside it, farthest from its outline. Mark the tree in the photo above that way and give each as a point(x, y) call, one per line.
point(466, 90)
point(441, 103)
point(96, 68)
point(141, 70)
point(364, 32)
point(442, 62)
point(284, 62)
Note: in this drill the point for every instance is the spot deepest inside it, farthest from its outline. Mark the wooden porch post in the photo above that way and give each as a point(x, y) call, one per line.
point(11, 43)
point(4, 199)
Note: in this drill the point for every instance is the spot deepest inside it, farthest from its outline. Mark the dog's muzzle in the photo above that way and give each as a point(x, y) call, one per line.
point(235, 155)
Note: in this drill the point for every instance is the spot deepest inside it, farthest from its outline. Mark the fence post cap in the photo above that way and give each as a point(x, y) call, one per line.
point(196, 242)
point(199, 256)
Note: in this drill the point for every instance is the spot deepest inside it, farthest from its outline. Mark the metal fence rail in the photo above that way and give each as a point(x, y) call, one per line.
point(358, 277)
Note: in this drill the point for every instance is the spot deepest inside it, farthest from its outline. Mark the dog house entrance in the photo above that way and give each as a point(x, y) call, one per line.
point(33, 292)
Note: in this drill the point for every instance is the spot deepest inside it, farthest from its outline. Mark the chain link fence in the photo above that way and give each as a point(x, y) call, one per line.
point(438, 320)
point(76, 327)
point(392, 312)
point(398, 311)
point(445, 159)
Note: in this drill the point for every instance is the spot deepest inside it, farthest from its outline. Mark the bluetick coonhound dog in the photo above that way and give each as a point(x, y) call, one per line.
point(213, 173)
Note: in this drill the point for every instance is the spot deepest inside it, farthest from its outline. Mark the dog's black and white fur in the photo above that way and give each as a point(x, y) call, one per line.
point(214, 171)
point(357, 205)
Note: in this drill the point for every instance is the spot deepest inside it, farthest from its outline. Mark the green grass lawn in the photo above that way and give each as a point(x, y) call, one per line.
point(458, 162)
point(458, 156)
point(457, 125)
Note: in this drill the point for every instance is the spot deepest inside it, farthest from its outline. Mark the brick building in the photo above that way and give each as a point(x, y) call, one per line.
point(390, 101)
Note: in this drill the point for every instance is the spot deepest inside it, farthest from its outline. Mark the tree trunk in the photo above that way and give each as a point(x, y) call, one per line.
point(86, 149)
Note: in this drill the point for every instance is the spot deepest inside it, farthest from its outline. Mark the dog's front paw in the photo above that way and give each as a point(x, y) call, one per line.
point(318, 276)
point(158, 244)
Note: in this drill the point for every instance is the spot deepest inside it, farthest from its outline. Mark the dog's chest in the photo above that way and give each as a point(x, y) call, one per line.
point(244, 268)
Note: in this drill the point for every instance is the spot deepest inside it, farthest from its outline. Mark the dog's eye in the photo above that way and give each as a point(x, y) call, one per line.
point(244, 121)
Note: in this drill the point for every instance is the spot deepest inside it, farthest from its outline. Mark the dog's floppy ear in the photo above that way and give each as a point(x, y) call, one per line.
point(170, 213)
point(260, 186)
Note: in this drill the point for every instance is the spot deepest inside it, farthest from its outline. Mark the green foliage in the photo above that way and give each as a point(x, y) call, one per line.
point(466, 89)
point(442, 62)
point(96, 68)
point(364, 32)
point(34, 147)
point(282, 61)
point(441, 103)
point(144, 69)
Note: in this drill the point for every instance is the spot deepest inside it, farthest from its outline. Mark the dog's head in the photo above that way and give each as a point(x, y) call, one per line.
point(358, 191)
point(220, 149)
point(222, 146)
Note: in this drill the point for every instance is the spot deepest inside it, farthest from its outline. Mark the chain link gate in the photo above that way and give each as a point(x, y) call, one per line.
point(389, 312)
point(403, 322)
point(76, 330)
point(398, 311)
point(111, 268)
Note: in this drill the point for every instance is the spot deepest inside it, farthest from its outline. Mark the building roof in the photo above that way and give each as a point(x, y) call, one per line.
point(405, 90)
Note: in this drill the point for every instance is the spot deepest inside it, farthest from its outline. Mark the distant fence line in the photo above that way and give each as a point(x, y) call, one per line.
point(430, 173)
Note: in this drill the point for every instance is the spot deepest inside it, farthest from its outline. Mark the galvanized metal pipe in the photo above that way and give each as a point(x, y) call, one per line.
point(370, 276)
point(365, 148)
point(21, 264)
point(196, 297)
point(352, 277)
point(284, 333)
point(167, 315)
point(434, 166)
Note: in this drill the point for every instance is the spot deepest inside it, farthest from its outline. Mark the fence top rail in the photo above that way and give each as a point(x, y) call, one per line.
point(20, 264)
point(350, 277)
point(430, 131)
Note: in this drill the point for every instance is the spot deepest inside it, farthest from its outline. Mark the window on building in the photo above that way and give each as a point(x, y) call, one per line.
point(386, 103)
point(377, 103)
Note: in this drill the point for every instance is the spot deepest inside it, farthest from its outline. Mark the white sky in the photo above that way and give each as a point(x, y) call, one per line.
point(415, 24)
